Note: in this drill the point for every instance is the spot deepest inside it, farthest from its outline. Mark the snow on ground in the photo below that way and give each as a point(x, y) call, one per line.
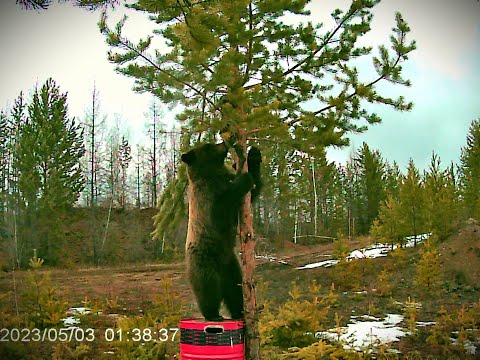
point(73, 313)
point(371, 252)
point(361, 334)
point(326, 263)
point(70, 321)
point(271, 259)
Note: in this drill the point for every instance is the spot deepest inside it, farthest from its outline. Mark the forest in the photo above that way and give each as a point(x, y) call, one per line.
point(93, 221)
point(58, 172)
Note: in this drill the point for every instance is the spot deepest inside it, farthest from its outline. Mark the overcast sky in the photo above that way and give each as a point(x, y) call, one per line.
point(65, 43)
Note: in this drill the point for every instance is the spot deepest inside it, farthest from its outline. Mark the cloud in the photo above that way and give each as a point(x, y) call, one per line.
point(446, 31)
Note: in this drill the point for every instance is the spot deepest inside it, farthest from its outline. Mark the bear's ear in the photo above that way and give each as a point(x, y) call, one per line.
point(188, 157)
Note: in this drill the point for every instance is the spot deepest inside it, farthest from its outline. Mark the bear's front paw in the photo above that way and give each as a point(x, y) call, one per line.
point(254, 157)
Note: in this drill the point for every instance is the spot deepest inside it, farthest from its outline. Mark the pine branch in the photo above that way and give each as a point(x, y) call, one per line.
point(126, 44)
point(312, 55)
point(325, 43)
point(369, 85)
point(130, 47)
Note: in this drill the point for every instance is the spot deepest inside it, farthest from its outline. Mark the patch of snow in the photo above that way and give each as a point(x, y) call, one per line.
point(70, 321)
point(420, 238)
point(371, 252)
point(364, 292)
point(467, 345)
point(78, 311)
point(361, 334)
point(271, 259)
point(425, 323)
point(73, 313)
point(326, 264)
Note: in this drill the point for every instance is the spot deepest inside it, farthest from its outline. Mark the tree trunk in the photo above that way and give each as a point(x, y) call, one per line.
point(315, 199)
point(247, 240)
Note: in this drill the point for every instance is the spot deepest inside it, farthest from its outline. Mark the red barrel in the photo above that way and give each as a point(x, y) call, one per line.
point(200, 339)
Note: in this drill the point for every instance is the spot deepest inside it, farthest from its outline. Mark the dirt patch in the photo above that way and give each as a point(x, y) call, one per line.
point(132, 287)
point(460, 254)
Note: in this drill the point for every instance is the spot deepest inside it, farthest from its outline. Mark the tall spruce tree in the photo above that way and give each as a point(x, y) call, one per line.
point(48, 161)
point(372, 186)
point(389, 227)
point(15, 218)
point(440, 199)
point(393, 179)
point(412, 201)
point(470, 172)
point(237, 66)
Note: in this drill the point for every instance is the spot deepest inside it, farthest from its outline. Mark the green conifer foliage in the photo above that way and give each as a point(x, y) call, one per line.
point(238, 63)
point(470, 172)
point(412, 200)
point(47, 158)
point(238, 67)
point(372, 186)
point(389, 227)
point(428, 277)
point(55, 144)
point(393, 179)
point(440, 199)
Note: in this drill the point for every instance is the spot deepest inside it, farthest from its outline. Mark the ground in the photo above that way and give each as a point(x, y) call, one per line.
point(132, 290)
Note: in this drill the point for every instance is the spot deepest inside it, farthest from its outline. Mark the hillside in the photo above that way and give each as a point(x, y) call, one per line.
point(460, 254)
point(360, 297)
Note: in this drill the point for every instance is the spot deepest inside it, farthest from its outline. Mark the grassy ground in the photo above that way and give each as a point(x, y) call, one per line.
point(128, 292)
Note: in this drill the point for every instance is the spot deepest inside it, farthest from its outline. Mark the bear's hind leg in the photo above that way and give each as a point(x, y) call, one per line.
point(207, 290)
point(232, 288)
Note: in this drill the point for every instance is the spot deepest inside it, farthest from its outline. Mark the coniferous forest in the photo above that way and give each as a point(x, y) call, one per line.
point(83, 171)
point(93, 221)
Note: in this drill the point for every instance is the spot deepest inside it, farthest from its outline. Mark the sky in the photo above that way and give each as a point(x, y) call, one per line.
point(64, 43)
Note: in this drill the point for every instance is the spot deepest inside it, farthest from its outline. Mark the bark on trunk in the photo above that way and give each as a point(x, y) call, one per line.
point(247, 240)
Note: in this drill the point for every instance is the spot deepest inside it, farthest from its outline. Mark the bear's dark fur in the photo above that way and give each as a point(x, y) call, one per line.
point(215, 197)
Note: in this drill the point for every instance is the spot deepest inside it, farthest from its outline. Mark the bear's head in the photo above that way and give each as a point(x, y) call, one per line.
point(205, 158)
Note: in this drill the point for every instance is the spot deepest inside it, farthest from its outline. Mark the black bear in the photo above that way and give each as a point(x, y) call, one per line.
point(215, 197)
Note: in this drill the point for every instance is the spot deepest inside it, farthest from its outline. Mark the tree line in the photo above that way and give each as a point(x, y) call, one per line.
point(51, 163)
point(308, 199)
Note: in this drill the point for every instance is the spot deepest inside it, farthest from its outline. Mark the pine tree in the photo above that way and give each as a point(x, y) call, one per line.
point(48, 161)
point(412, 201)
point(371, 185)
point(470, 172)
point(440, 199)
point(354, 198)
point(428, 277)
point(393, 179)
point(239, 69)
point(17, 120)
point(389, 227)
point(329, 199)
point(339, 200)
